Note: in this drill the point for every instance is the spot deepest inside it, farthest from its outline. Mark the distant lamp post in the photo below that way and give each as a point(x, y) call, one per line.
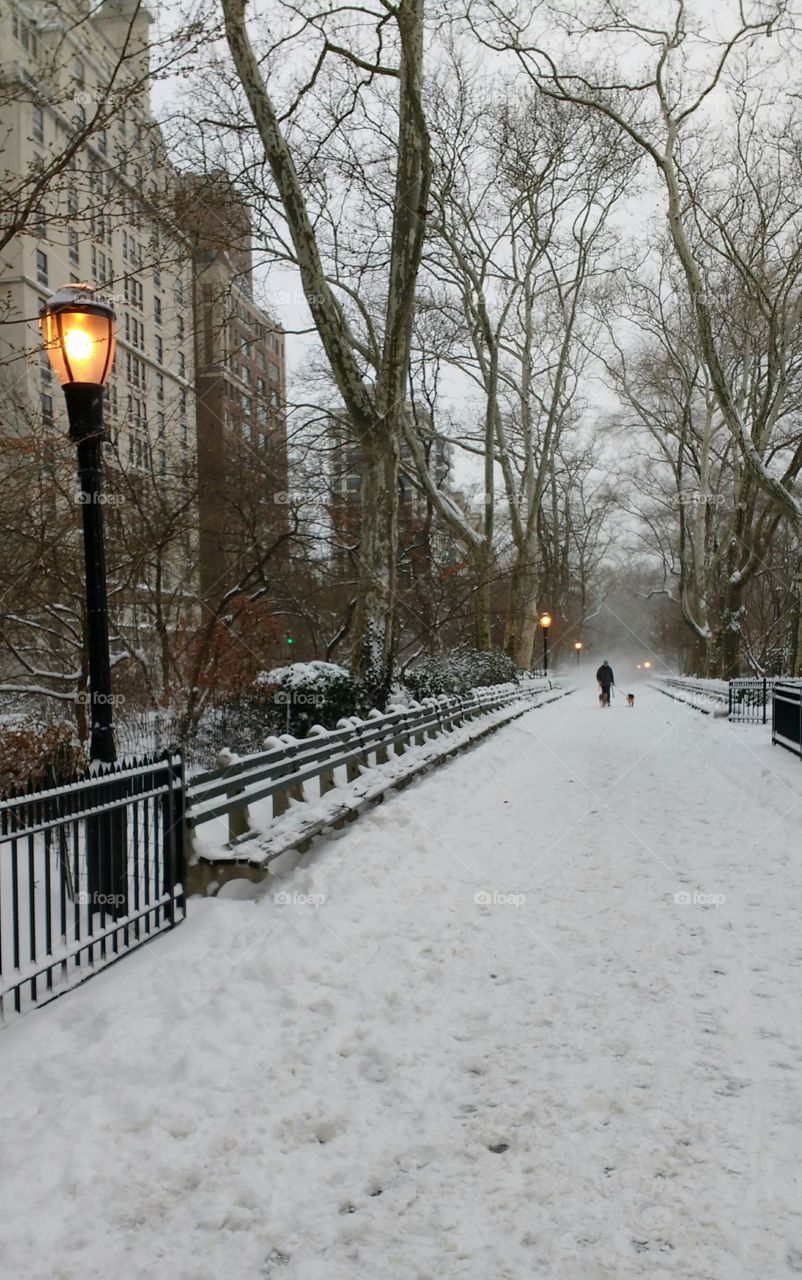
point(647, 665)
point(79, 338)
point(545, 622)
point(578, 647)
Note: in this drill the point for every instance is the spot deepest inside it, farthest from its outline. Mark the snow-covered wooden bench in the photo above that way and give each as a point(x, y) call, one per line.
point(260, 806)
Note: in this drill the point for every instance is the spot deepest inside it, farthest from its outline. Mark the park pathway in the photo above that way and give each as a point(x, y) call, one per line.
point(536, 1016)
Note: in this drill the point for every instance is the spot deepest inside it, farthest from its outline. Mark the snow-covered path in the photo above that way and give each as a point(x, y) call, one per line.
point(500, 1047)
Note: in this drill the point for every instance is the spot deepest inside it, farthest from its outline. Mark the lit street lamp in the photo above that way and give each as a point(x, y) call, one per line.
point(578, 647)
point(79, 338)
point(545, 622)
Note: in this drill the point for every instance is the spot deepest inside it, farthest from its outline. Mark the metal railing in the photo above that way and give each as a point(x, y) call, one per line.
point(786, 715)
point(750, 699)
point(747, 698)
point(88, 872)
point(704, 695)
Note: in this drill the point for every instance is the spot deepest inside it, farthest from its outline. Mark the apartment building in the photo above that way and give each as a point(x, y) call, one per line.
point(199, 372)
point(241, 384)
point(413, 507)
point(105, 219)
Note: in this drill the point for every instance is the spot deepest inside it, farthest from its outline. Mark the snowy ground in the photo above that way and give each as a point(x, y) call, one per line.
point(537, 1016)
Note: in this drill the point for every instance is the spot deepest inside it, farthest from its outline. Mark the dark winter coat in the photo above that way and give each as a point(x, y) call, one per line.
point(605, 676)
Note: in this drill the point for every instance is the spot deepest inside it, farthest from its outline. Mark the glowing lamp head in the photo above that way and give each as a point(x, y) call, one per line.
point(545, 621)
point(578, 645)
point(79, 337)
point(647, 665)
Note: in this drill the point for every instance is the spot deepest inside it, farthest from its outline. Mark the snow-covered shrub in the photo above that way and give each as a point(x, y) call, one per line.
point(314, 692)
point(459, 671)
point(40, 756)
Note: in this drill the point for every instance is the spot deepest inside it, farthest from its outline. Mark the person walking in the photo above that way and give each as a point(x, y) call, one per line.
point(606, 680)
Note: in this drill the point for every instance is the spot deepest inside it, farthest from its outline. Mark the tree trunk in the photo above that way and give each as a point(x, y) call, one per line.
point(481, 599)
point(374, 626)
point(523, 610)
point(728, 640)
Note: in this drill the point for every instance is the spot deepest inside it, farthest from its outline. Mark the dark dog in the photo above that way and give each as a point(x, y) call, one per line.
point(630, 699)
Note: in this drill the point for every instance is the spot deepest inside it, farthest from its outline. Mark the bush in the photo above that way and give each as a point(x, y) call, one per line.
point(41, 757)
point(315, 693)
point(459, 671)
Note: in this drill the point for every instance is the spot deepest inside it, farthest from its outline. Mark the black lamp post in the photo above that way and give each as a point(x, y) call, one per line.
point(78, 331)
point(545, 622)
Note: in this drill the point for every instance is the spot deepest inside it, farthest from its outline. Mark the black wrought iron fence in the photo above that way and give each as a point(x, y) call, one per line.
point(750, 699)
point(87, 872)
point(786, 718)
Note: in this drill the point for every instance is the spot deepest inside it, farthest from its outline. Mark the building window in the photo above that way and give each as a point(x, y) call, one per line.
point(41, 267)
point(25, 35)
point(273, 372)
point(157, 310)
point(159, 349)
point(183, 406)
point(160, 424)
point(261, 387)
point(75, 248)
point(72, 204)
point(247, 405)
point(163, 472)
point(260, 359)
point(79, 70)
point(39, 222)
point(179, 292)
point(133, 292)
point(135, 369)
point(160, 387)
point(262, 440)
point(275, 400)
point(47, 407)
point(102, 142)
point(182, 365)
point(38, 124)
point(179, 328)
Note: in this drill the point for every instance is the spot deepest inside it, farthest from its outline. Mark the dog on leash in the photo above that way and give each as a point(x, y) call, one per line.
point(630, 699)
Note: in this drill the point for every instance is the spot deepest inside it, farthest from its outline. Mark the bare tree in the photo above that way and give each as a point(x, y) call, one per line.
point(356, 54)
point(714, 201)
